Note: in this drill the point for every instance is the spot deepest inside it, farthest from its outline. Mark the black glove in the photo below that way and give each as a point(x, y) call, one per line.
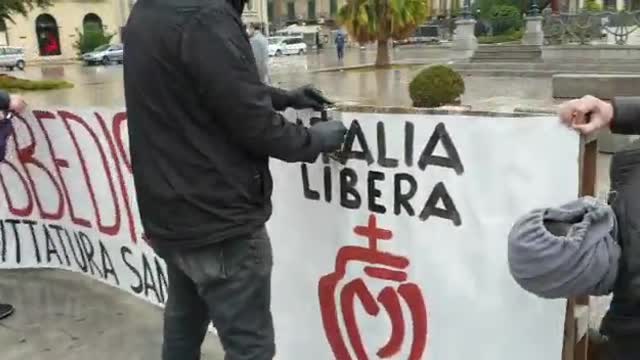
point(308, 97)
point(330, 134)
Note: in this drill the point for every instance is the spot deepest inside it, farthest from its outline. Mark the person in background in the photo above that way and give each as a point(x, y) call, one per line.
point(318, 42)
point(340, 43)
point(260, 47)
point(8, 104)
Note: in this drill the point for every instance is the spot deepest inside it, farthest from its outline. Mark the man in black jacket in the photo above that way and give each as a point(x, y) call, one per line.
point(202, 127)
point(16, 104)
point(588, 115)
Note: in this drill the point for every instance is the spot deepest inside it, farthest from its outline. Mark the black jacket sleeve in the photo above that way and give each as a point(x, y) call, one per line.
point(626, 115)
point(217, 53)
point(279, 98)
point(5, 100)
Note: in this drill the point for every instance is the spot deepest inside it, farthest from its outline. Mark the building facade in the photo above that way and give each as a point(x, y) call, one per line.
point(281, 12)
point(576, 5)
point(445, 8)
point(256, 13)
point(50, 33)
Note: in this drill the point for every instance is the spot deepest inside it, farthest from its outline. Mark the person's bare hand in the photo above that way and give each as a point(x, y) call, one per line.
point(587, 115)
point(17, 103)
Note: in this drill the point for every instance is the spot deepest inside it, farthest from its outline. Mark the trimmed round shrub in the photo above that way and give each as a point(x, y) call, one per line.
point(436, 86)
point(505, 19)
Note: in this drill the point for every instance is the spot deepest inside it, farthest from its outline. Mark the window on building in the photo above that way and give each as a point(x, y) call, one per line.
point(455, 8)
point(311, 9)
point(92, 22)
point(250, 5)
point(333, 7)
point(4, 36)
point(48, 35)
point(291, 11)
point(270, 10)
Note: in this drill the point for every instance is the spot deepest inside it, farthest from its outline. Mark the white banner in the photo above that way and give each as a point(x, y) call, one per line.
point(395, 249)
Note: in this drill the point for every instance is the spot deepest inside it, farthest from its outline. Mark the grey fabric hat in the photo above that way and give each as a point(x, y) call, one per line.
point(566, 251)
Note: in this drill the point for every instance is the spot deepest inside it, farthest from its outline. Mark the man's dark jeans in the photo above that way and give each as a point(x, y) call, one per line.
point(227, 284)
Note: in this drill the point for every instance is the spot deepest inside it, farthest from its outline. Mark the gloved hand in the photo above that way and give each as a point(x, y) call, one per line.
point(330, 134)
point(308, 97)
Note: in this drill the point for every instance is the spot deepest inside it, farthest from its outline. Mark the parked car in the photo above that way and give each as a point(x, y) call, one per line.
point(287, 46)
point(276, 39)
point(12, 57)
point(105, 55)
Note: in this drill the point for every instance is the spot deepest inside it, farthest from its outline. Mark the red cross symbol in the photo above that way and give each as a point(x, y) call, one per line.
point(373, 232)
point(379, 264)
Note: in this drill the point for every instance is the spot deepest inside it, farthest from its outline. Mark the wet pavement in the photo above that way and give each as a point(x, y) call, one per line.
point(64, 315)
point(102, 86)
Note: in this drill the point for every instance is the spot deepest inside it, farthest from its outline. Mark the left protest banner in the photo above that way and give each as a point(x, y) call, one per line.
point(70, 201)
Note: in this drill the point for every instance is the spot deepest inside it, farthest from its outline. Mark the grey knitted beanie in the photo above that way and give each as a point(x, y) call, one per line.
point(566, 251)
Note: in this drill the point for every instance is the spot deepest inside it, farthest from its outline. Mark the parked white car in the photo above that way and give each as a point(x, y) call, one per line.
point(105, 55)
point(12, 57)
point(279, 46)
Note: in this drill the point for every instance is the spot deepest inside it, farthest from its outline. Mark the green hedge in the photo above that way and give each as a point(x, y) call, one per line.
point(505, 19)
point(91, 38)
point(512, 37)
point(592, 6)
point(12, 83)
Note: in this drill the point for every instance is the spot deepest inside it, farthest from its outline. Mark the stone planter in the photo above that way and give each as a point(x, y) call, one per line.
point(455, 108)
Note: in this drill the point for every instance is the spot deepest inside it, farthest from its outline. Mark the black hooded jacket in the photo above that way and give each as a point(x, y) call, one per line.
point(623, 317)
point(201, 124)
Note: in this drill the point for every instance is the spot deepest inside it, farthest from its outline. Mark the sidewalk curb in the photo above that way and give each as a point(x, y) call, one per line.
point(464, 67)
point(53, 62)
point(343, 68)
point(535, 111)
point(407, 62)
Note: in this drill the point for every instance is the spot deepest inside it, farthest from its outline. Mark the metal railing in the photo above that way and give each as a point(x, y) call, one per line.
point(586, 27)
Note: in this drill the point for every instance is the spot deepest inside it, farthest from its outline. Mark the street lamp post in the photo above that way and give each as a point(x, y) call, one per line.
point(533, 35)
point(466, 10)
point(465, 38)
point(534, 9)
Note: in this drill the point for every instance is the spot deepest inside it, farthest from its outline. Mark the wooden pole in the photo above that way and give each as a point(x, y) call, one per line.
point(576, 339)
